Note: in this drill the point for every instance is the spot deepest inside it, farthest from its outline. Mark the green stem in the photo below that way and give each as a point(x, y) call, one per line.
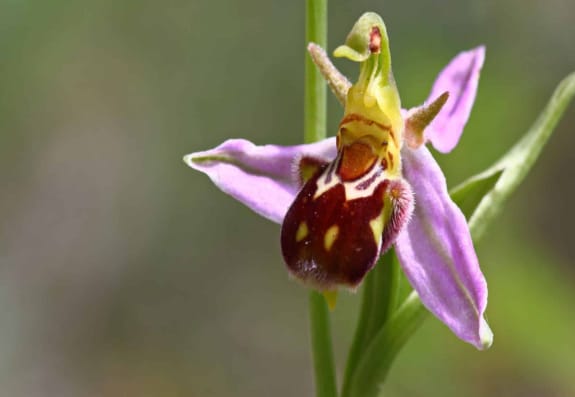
point(315, 130)
point(360, 339)
point(378, 357)
point(379, 301)
point(385, 293)
point(315, 98)
point(325, 382)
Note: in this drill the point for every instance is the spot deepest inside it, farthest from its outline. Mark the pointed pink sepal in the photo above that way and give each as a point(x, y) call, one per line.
point(264, 178)
point(437, 254)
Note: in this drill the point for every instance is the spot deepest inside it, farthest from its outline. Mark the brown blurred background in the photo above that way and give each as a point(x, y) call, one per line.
point(124, 273)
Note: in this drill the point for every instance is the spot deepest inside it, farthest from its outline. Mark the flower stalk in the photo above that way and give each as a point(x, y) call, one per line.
point(315, 113)
point(320, 335)
point(315, 94)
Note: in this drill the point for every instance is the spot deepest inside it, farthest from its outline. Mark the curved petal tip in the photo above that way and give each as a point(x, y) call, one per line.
point(460, 78)
point(485, 336)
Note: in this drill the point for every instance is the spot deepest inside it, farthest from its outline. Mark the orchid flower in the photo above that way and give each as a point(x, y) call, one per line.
point(344, 201)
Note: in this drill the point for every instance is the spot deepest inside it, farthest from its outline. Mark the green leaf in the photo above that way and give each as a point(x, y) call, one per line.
point(469, 194)
point(515, 165)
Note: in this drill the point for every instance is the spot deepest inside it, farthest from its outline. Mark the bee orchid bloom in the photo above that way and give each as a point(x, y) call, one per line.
point(344, 201)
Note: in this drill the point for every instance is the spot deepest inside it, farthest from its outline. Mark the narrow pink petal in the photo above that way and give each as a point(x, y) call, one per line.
point(460, 78)
point(261, 177)
point(437, 254)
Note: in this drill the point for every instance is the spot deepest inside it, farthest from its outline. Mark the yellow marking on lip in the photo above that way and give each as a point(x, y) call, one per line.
point(330, 298)
point(330, 237)
point(302, 232)
point(376, 225)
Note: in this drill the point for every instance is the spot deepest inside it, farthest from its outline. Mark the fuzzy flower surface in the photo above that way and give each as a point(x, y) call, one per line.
point(345, 200)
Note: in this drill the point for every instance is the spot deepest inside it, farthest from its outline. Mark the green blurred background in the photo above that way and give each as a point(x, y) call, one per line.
point(124, 273)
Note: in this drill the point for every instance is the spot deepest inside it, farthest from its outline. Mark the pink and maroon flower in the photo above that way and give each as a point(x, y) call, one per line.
point(341, 205)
